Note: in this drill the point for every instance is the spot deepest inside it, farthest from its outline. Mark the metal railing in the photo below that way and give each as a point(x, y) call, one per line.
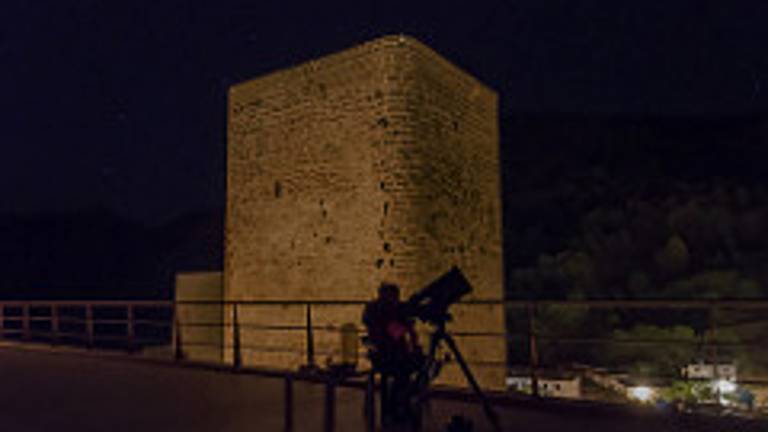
point(126, 324)
point(55, 320)
point(135, 325)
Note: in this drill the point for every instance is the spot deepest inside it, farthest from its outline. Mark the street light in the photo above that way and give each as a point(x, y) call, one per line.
point(643, 394)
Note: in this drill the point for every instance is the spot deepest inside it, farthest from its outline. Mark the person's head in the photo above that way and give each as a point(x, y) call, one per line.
point(389, 292)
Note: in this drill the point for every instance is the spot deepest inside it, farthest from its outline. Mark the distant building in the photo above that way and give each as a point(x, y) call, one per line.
point(709, 371)
point(549, 385)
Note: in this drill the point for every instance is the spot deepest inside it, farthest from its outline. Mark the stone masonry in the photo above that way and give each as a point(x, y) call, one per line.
point(378, 163)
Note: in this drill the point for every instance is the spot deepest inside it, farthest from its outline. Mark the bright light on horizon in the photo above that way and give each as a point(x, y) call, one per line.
point(642, 393)
point(725, 386)
point(724, 389)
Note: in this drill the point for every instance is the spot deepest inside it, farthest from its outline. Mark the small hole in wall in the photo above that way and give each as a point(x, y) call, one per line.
point(383, 122)
point(379, 263)
point(386, 208)
point(382, 185)
point(278, 189)
point(391, 263)
point(387, 247)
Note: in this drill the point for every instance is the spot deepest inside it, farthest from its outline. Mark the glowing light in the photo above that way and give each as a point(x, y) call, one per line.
point(642, 393)
point(725, 386)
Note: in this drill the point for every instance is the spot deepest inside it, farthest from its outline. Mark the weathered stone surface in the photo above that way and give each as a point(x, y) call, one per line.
point(379, 163)
point(200, 315)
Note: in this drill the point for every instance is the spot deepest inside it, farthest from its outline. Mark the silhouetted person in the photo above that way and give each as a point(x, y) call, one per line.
point(395, 352)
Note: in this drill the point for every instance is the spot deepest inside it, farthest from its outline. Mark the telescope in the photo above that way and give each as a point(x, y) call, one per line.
point(431, 303)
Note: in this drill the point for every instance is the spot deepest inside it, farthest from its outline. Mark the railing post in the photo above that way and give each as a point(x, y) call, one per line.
point(370, 402)
point(237, 360)
point(329, 418)
point(25, 325)
point(55, 322)
point(130, 331)
point(288, 403)
point(713, 329)
point(533, 353)
point(89, 327)
point(178, 348)
point(713, 347)
point(310, 338)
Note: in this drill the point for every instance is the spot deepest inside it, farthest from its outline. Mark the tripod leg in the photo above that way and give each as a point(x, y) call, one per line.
point(489, 412)
point(418, 392)
point(431, 361)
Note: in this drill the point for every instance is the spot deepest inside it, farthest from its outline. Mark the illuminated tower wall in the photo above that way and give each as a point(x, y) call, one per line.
point(378, 163)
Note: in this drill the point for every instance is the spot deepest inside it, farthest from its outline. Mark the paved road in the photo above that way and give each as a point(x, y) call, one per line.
point(59, 391)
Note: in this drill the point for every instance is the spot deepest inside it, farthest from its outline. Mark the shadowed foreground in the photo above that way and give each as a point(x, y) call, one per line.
point(60, 391)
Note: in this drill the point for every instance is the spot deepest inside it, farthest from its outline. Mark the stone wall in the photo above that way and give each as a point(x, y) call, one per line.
point(379, 163)
point(200, 315)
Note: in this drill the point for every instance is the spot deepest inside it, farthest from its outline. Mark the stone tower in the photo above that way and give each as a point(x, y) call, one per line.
point(378, 163)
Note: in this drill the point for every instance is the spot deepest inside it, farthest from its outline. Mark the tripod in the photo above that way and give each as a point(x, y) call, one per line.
point(431, 368)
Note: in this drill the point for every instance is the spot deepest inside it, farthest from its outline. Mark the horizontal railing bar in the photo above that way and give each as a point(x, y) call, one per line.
point(647, 304)
point(201, 324)
point(70, 334)
point(84, 303)
point(103, 337)
point(597, 303)
point(581, 341)
point(275, 349)
point(66, 319)
point(115, 321)
point(160, 342)
point(274, 328)
point(631, 304)
point(166, 323)
point(199, 344)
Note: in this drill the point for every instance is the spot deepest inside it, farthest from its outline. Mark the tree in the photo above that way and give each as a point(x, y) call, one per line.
point(648, 350)
point(673, 259)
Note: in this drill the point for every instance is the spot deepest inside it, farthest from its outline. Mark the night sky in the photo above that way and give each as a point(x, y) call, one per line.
point(121, 105)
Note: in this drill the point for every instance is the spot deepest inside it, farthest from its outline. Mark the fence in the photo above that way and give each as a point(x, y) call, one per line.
point(541, 335)
point(127, 324)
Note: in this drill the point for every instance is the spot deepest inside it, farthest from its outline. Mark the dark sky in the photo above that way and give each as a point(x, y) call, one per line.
point(122, 104)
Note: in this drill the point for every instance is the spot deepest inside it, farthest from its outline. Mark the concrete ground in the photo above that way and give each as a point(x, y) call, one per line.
point(44, 390)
